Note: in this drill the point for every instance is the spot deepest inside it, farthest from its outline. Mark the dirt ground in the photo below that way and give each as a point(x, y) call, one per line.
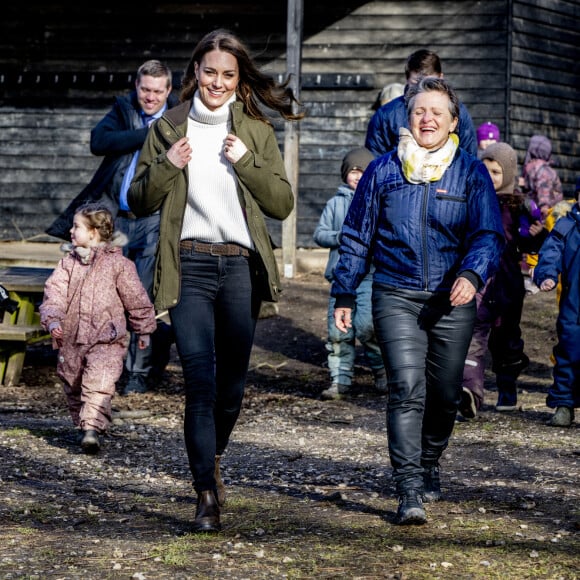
point(309, 489)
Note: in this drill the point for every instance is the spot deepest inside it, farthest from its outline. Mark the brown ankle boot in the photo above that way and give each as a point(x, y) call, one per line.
point(207, 514)
point(221, 488)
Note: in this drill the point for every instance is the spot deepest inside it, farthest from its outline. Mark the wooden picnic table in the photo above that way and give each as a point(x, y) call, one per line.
point(21, 328)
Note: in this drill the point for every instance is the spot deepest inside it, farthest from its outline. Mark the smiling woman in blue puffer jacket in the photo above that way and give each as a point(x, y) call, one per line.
point(426, 215)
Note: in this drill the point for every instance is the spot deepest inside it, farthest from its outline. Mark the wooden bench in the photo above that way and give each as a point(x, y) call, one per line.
point(21, 328)
point(13, 342)
point(28, 333)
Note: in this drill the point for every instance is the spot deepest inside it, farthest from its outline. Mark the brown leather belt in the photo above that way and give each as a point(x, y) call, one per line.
point(214, 249)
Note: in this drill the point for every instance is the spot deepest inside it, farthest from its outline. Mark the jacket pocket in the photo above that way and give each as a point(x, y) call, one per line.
point(455, 198)
point(111, 331)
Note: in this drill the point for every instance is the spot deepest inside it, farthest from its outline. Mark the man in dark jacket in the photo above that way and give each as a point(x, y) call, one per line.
point(383, 128)
point(119, 137)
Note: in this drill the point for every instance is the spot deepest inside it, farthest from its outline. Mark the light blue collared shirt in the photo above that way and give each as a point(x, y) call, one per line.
point(147, 120)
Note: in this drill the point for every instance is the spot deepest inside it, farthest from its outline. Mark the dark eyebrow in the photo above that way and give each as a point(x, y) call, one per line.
point(211, 68)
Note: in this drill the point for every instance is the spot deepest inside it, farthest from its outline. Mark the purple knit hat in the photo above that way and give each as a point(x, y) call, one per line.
point(487, 131)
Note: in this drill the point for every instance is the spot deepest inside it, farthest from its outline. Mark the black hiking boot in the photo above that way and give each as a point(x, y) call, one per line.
point(431, 484)
point(411, 510)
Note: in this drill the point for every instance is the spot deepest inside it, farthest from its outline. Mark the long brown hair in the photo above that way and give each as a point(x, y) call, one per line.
point(254, 87)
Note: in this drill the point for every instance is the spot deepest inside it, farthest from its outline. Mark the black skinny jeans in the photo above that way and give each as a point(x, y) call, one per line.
point(214, 325)
point(424, 342)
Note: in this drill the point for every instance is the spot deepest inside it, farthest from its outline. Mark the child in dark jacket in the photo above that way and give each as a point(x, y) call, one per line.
point(87, 301)
point(341, 345)
point(559, 258)
point(500, 302)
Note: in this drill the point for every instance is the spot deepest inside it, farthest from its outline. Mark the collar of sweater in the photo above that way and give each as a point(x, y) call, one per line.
point(200, 113)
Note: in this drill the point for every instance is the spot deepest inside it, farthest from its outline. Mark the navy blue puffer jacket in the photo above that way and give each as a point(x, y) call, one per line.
point(560, 257)
point(420, 236)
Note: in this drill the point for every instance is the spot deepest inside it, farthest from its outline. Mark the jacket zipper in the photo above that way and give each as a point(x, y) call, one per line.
point(424, 236)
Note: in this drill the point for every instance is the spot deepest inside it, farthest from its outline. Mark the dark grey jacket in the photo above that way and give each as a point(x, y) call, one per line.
point(116, 137)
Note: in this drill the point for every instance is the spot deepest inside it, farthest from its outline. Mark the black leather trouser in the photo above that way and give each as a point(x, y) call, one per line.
point(424, 343)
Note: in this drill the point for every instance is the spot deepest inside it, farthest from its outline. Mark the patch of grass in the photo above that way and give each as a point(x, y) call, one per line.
point(268, 536)
point(16, 432)
point(142, 499)
point(487, 427)
point(42, 513)
point(22, 432)
point(177, 552)
point(26, 531)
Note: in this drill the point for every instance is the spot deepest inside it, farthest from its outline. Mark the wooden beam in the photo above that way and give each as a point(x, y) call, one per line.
point(291, 134)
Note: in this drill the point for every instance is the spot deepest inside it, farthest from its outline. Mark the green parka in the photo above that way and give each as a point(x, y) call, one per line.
point(263, 190)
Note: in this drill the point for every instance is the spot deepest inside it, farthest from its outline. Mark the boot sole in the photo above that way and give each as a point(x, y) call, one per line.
point(414, 516)
point(90, 448)
point(506, 408)
point(467, 405)
point(90, 444)
point(208, 528)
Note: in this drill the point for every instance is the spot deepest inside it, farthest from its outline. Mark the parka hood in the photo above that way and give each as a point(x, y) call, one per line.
point(118, 240)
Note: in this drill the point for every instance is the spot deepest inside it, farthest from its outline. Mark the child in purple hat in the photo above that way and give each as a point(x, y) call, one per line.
point(487, 133)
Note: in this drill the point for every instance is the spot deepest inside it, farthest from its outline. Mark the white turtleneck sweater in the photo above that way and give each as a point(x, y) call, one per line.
point(213, 212)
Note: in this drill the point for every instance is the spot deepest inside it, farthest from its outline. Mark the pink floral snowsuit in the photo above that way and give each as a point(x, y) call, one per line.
point(89, 298)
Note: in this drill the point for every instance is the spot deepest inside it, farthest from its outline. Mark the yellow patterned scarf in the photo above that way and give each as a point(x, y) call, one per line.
point(421, 165)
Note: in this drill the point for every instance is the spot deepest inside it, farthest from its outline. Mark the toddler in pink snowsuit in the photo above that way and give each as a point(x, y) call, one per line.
point(88, 299)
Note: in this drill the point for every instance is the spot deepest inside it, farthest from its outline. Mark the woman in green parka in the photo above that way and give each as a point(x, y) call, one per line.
point(213, 166)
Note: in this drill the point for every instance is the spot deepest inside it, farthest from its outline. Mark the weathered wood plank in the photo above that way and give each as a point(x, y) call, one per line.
point(15, 333)
point(342, 37)
point(419, 8)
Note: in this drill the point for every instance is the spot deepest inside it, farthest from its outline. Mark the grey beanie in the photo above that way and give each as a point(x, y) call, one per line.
point(508, 161)
point(355, 159)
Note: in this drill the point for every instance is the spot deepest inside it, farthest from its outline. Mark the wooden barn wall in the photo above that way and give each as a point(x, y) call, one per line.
point(61, 65)
point(545, 81)
point(350, 50)
point(471, 39)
